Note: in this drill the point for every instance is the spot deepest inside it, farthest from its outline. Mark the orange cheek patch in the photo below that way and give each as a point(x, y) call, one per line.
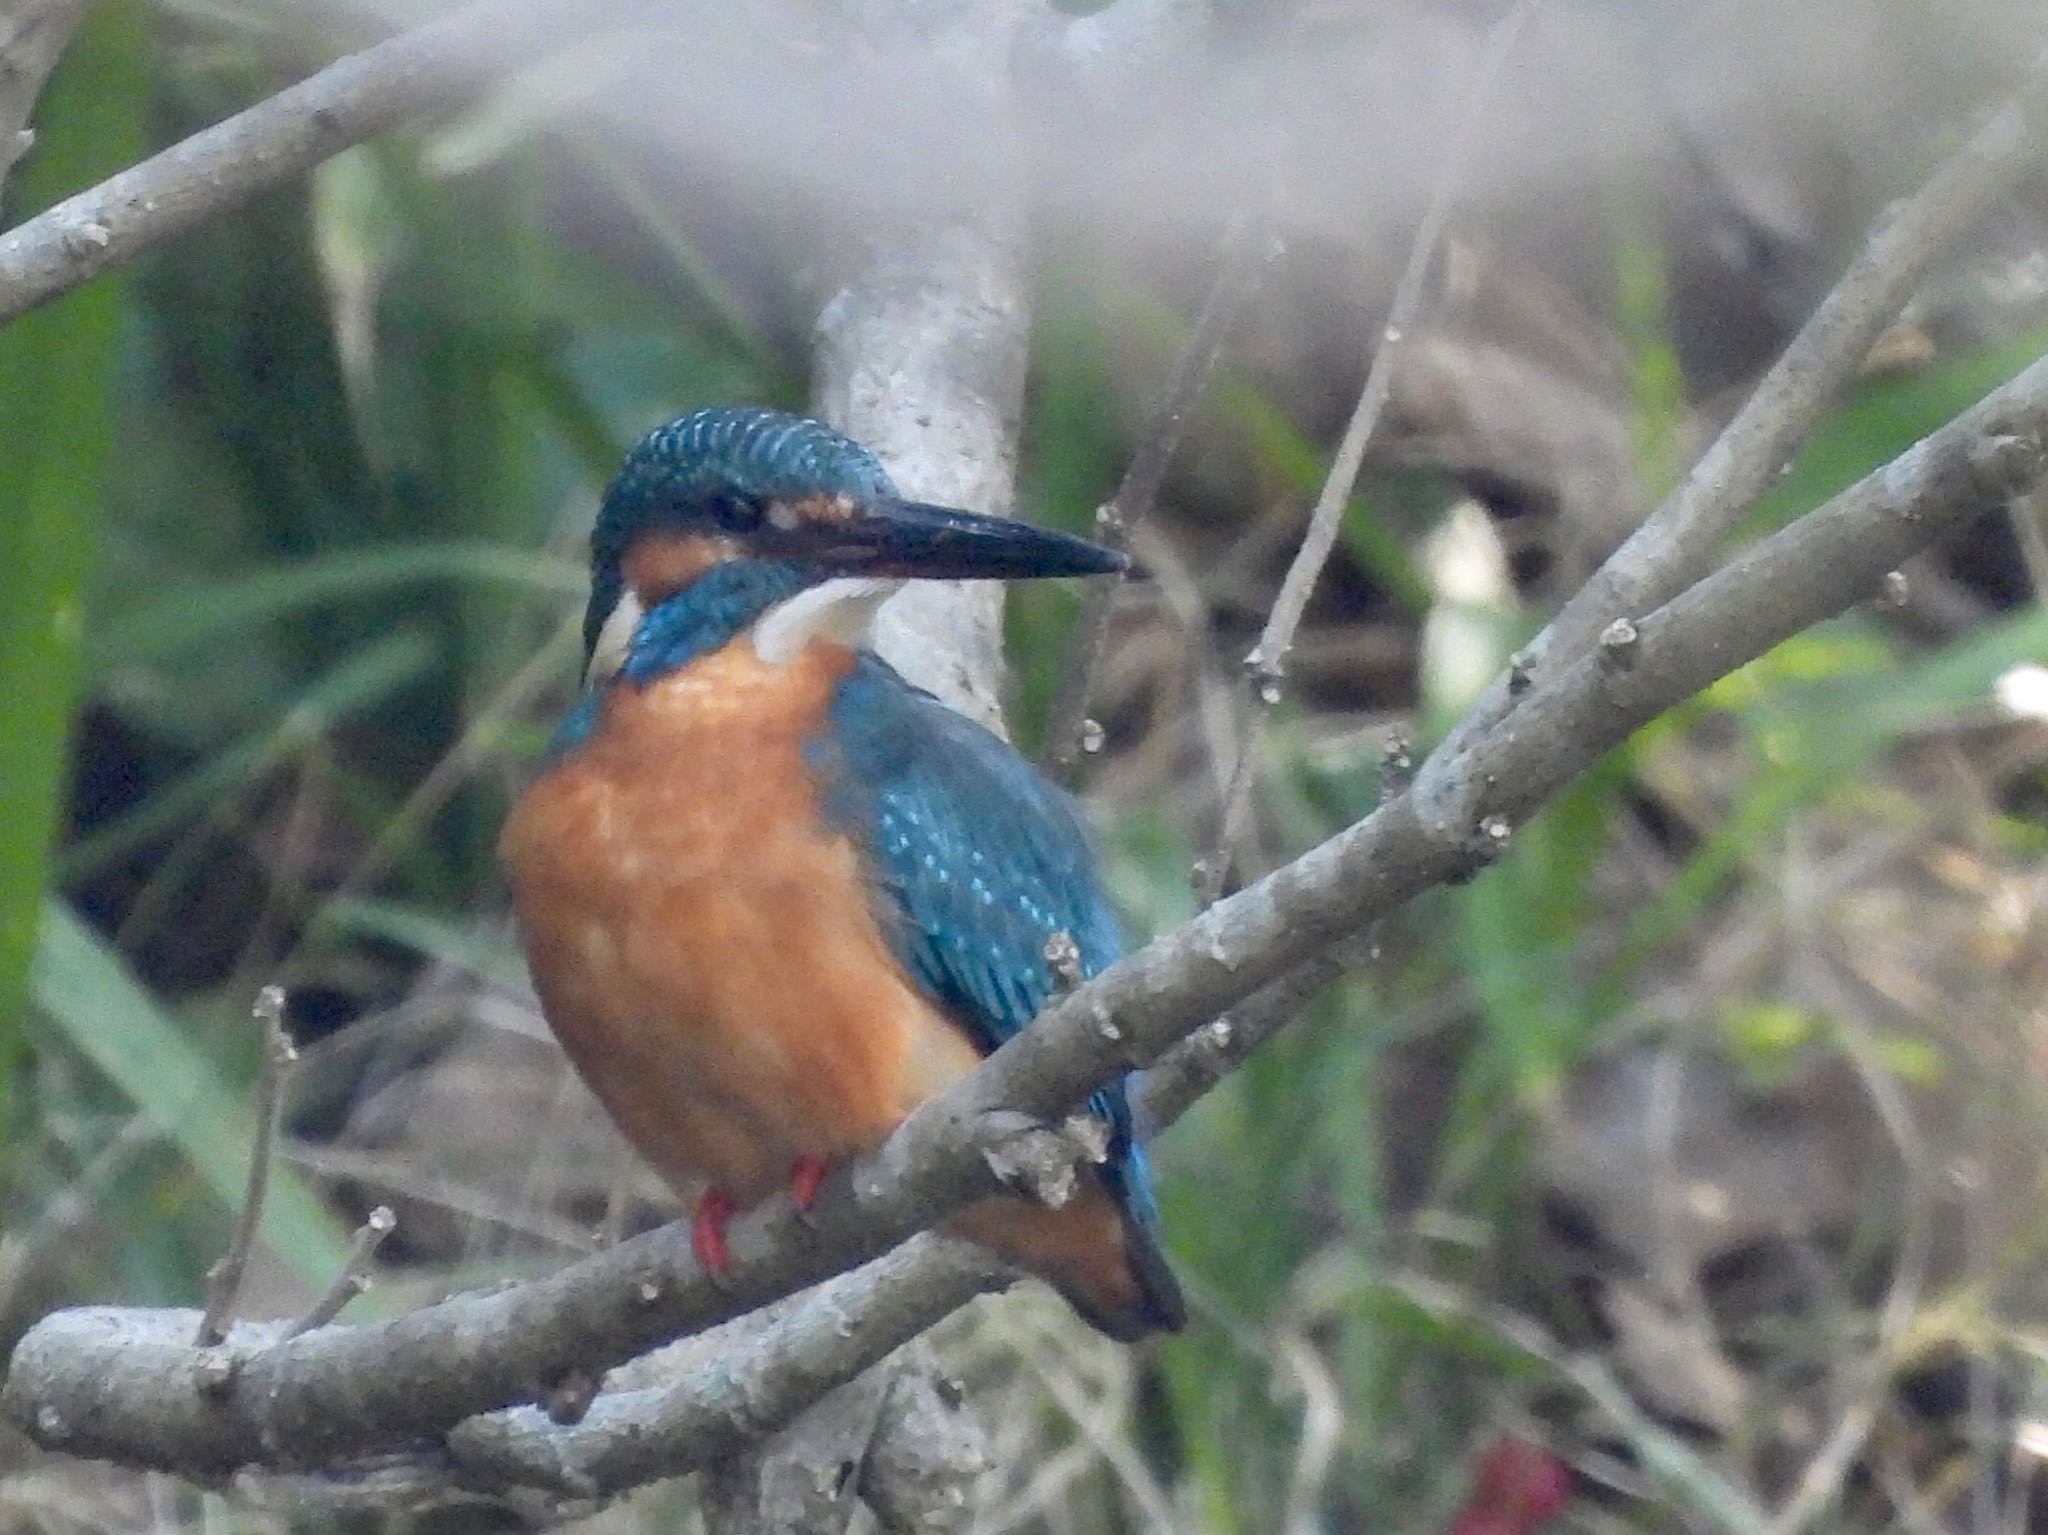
point(825, 511)
point(659, 565)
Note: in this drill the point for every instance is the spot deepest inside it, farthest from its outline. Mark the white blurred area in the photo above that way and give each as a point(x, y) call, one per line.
point(1774, 129)
point(1745, 145)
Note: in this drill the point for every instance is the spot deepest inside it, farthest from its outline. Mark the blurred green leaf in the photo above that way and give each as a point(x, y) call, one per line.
point(1521, 923)
point(1443, 1331)
point(214, 613)
point(56, 432)
point(1766, 1038)
point(1642, 305)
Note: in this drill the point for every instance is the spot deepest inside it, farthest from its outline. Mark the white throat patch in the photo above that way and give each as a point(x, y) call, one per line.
point(841, 611)
point(609, 654)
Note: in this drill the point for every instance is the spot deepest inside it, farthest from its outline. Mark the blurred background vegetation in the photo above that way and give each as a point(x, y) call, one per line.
point(1709, 1116)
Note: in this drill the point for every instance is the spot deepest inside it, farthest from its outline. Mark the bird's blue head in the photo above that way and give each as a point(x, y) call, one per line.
point(795, 503)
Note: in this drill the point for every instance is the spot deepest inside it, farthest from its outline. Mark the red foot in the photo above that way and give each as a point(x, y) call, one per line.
point(804, 1181)
point(707, 1230)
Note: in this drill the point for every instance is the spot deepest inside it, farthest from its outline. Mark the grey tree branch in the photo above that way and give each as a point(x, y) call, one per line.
point(750, 1388)
point(1677, 542)
point(784, 1358)
point(279, 138)
point(765, 1370)
point(809, 1344)
point(922, 353)
point(127, 1385)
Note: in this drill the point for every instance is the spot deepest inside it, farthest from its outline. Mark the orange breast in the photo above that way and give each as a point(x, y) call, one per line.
point(703, 945)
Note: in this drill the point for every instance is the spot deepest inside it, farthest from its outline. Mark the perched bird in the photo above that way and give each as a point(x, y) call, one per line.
point(774, 897)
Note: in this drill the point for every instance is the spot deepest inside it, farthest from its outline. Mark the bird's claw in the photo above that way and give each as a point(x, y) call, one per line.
point(805, 1179)
point(707, 1232)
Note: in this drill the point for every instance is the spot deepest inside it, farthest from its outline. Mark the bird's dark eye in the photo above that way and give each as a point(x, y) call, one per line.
point(733, 514)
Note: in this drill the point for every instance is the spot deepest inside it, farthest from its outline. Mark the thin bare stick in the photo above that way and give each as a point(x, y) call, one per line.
point(224, 1279)
point(354, 1277)
point(1243, 254)
point(1268, 658)
point(1267, 661)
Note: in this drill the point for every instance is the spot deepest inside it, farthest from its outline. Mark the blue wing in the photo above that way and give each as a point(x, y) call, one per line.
point(978, 861)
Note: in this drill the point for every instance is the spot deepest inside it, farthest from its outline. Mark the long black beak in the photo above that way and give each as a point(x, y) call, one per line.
point(942, 543)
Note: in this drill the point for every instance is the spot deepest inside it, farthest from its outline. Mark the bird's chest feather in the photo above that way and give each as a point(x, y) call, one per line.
point(704, 944)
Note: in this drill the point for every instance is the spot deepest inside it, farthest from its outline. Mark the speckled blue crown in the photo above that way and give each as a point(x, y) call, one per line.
point(700, 471)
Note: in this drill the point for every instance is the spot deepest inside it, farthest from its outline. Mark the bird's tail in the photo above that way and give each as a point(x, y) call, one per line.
point(1097, 1250)
point(1160, 1305)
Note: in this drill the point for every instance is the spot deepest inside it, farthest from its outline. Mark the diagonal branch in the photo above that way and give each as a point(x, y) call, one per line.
point(822, 1340)
point(282, 137)
point(127, 1385)
point(785, 1356)
point(1676, 543)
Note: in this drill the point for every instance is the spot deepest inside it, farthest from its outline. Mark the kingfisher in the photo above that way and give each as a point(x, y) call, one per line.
point(773, 896)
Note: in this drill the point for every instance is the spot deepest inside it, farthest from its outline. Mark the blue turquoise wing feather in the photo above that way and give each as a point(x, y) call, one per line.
point(984, 860)
point(978, 861)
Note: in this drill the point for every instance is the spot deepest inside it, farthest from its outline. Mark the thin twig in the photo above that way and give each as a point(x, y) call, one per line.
point(1243, 252)
point(224, 1279)
point(1267, 662)
point(354, 1277)
point(749, 1385)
